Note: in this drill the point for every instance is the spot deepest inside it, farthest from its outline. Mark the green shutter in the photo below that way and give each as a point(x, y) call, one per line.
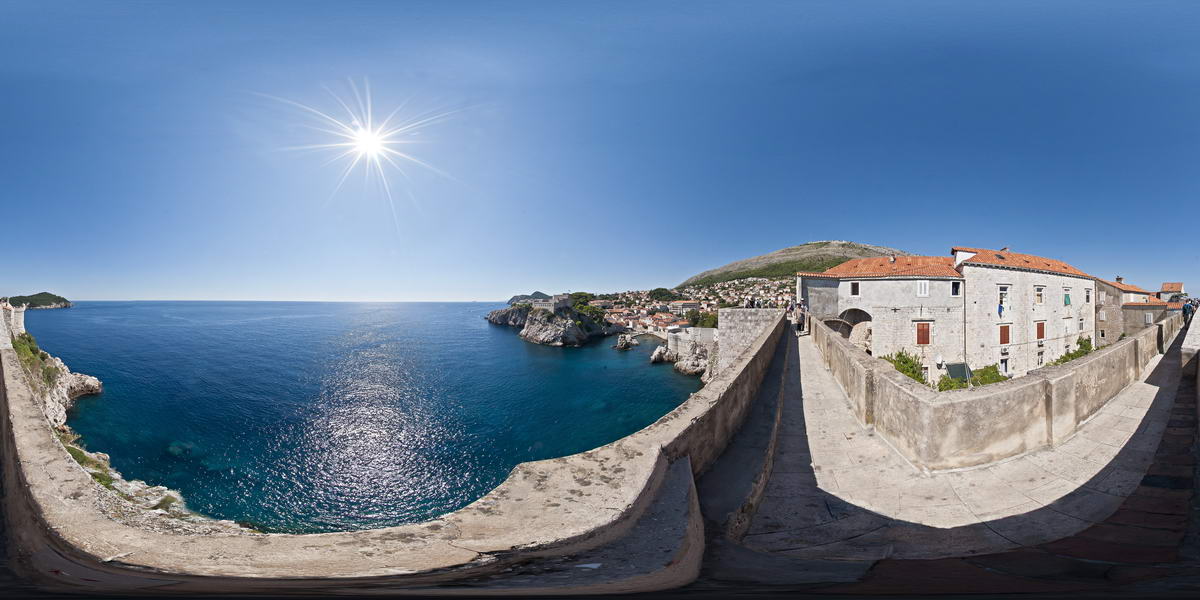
point(1066, 299)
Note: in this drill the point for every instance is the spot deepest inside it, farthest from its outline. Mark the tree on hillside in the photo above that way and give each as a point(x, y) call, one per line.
point(663, 294)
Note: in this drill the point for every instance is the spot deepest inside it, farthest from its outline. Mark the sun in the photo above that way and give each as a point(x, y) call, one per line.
point(368, 143)
point(364, 142)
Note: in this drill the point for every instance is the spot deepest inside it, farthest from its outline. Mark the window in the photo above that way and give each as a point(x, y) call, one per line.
point(1004, 334)
point(1067, 325)
point(1004, 366)
point(955, 288)
point(1041, 358)
point(1100, 316)
point(1041, 330)
point(1039, 295)
point(925, 372)
point(1087, 296)
point(1066, 296)
point(1004, 295)
point(1080, 324)
point(854, 288)
point(1101, 334)
point(923, 287)
point(1148, 318)
point(1103, 296)
point(923, 334)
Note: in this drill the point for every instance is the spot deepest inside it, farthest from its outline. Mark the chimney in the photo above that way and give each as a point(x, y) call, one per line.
point(1120, 279)
point(892, 258)
point(1004, 249)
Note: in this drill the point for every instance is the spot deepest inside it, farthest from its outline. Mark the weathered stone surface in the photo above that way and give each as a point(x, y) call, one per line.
point(564, 327)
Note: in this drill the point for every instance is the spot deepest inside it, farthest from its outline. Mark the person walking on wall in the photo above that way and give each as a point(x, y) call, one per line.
point(1188, 309)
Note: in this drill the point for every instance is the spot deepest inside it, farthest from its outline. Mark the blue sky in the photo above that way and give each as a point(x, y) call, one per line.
point(598, 146)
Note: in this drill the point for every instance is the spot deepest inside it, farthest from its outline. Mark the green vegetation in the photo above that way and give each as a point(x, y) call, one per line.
point(664, 295)
point(165, 503)
point(1084, 348)
point(98, 470)
point(701, 319)
point(908, 364)
point(38, 300)
point(579, 302)
point(984, 376)
point(35, 361)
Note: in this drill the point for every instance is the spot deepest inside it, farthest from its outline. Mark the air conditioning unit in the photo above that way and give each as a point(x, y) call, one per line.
point(1041, 343)
point(1004, 350)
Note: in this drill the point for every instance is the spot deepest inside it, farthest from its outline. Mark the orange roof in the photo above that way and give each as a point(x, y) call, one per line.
point(817, 275)
point(1124, 287)
point(1174, 305)
point(1172, 286)
point(1017, 260)
point(902, 266)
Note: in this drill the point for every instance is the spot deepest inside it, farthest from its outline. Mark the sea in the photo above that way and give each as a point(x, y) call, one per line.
point(303, 417)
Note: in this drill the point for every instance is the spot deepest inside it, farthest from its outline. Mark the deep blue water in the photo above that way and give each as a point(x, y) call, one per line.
point(305, 417)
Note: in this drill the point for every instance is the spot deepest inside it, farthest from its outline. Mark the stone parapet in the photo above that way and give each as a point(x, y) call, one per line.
point(965, 428)
point(551, 507)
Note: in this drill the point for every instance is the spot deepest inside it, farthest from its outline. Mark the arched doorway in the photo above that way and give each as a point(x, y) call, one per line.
point(860, 327)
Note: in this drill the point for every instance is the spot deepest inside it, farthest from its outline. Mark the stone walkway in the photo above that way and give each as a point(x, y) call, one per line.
point(837, 491)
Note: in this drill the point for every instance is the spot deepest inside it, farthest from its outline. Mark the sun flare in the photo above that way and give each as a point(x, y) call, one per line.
point(360, 139)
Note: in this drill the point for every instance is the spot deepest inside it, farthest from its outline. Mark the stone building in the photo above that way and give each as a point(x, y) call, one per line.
point(554, 302)
point(1138, 309)
point(1171, 289)
point(980, 307)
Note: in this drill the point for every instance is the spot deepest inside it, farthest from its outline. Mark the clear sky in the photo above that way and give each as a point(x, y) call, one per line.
point(597, 146)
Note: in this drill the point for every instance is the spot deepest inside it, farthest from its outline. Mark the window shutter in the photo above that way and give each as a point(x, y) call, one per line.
point(1066, 299)
point(1041, 330)
point(922, 334)
point(1003, 335)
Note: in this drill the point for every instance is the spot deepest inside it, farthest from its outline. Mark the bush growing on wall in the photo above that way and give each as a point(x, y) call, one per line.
point(908, 364)
point(984, 376)
point(1084, 348)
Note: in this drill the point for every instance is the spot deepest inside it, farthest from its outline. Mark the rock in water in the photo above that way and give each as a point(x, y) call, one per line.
point(661, 354)
point(626, 341)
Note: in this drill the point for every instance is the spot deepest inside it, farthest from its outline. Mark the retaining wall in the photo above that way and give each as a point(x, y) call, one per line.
point(964, 428)
point(551, 507)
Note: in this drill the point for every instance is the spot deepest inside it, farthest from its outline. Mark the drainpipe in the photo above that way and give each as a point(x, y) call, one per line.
point(964, 355)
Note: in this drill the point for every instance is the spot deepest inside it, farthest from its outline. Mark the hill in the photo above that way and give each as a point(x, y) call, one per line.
point(813, 256)
point(42, 300)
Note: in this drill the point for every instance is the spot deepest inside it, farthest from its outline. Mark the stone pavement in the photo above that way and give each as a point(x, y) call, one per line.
point(1113, 509)
point(839, 491)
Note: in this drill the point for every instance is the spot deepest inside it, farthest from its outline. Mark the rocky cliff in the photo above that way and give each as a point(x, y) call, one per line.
point(67, 386)
point(133, 502)
point(565, 327)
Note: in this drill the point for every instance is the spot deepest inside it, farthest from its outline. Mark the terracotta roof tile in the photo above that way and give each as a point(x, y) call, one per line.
point(1174, 305)
point(1125, 287)
point(1172, 286)
point(903, 266)
point(1017, 260)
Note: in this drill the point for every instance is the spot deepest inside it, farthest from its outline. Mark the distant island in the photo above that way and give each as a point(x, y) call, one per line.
point(42, 300)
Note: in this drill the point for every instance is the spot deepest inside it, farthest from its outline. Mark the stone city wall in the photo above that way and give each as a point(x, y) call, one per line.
point(551, 507)
point(738, 329)
point(680, 342)
point(964, 428)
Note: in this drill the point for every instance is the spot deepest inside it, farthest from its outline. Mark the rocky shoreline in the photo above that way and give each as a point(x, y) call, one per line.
point(563, 327)
point(132, 502)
